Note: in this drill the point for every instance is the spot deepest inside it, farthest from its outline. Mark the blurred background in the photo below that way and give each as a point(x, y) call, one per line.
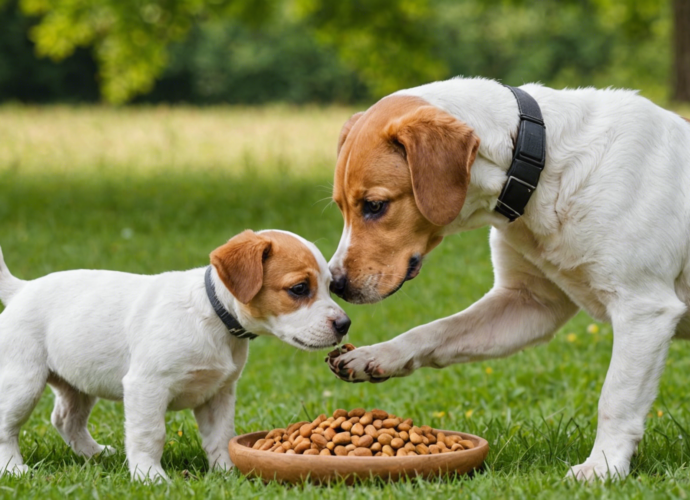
point(321, 51)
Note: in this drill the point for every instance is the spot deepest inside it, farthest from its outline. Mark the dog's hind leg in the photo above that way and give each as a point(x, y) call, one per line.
point(70, 416)
point(23, 375)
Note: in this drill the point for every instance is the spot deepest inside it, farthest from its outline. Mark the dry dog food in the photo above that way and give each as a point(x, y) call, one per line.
point(361, 433)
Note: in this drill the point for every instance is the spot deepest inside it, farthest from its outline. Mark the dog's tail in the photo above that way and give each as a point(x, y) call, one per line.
point(9, 285)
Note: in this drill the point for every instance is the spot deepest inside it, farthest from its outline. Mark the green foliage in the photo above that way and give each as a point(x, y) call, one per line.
point(206, 51)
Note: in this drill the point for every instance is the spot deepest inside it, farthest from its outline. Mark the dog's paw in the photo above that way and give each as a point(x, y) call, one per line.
point(15, 470)
point(375, 364)
point(106, 451)
point(592, 471)
point(153, 474)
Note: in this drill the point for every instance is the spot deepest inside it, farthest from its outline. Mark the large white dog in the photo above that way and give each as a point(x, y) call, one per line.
point(607, 230)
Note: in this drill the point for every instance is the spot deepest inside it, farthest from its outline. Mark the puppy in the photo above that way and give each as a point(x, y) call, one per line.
point(166, 342)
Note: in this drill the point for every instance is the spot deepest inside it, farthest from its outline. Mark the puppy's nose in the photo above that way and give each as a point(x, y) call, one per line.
point(338, 285)
point(342, 325)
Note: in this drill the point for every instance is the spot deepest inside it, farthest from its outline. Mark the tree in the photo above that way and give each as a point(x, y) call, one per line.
point(681, 52)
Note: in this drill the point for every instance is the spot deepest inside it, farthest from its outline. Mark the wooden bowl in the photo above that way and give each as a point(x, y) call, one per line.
point(322, 469)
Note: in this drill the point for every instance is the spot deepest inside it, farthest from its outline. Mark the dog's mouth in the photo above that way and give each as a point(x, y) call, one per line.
point(413, 268)
point(313, 347)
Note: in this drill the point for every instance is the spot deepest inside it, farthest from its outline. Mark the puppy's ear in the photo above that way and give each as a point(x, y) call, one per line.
point(239, 264)
point(346, 129)
point(440, 151)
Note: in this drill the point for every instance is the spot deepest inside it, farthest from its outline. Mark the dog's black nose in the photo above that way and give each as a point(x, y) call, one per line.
point(338, 285)
point(342, 325)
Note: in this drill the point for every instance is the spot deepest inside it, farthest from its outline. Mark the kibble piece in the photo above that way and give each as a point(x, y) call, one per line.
point(329, 433)
point(390, 432)
point(365, 441)
point(415, 438)
point(397, 443)
point(350, 447)
point(363, 452)
point(357, 412)
point(268, 444)
point(291, 452)
point(376, 446)
point(402, 452)
point(330, 445)
point(385, 439)
point(425, 440)
point(434, 450)
point(456, 447)
point(409, 446)
point(336, 423)
point(353, 420)
point(379, 414)
point(366, 419)
point(377, 423)
point(311, 452)
point(441, 437)
point(302, 446)
point(404, 427)
point(346, 426)
point(357, 429)
point(319, 419)
point(339, 413)
point(319, 440)
point(378, 454)
point(295, 426)
point(354, 440)
point(371, 431)
point(317, 430)
point(340, 451)
point(387, 450)
point(325, 452)
point(404, 436)
point(259, 444)
point(467, 444)
point(279, 449)
point(342, 438)
point(431, 438)
point(305, 430)
point(422, 449)
point(390, 423)
point(286, 445)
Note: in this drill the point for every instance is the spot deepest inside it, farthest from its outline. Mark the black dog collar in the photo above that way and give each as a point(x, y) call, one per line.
point(233, 326)
point(528, 158)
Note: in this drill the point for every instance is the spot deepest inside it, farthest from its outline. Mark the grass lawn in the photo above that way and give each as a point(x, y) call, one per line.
point(149, 190)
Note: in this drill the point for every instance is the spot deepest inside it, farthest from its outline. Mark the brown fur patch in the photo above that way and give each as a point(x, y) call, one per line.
point(424, 178)
point(289, 263)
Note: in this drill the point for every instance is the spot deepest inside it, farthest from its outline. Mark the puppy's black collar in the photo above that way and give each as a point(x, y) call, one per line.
point(528, 158)
point(231, 323)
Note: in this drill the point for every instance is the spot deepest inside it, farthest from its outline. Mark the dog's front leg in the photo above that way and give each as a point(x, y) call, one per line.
point(216, 419)
point(146, 401)
point(524, 308)
point(642, 331)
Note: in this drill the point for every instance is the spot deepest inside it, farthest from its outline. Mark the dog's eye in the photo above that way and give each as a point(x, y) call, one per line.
point(299, 290)
point(373, 209)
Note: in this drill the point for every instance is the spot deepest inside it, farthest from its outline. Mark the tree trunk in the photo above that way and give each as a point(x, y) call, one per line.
point(681, 46)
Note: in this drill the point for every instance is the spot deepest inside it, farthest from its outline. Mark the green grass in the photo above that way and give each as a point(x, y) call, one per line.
point(537, 408)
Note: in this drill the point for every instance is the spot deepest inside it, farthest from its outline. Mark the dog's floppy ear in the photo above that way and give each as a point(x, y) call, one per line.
point(440, 151)
point(239, 264)
point(346, 129)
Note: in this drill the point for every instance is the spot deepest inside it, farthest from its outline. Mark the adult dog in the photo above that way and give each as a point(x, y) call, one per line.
point(607, 230)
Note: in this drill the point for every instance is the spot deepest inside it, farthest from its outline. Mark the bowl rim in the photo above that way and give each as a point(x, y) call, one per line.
point(482, 447)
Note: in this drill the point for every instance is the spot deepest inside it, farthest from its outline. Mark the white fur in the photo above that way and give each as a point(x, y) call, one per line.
point(154, 342)
point(607, 231)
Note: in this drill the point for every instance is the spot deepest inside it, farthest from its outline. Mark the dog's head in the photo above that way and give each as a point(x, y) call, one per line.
point(402, 174)
point(280, 283)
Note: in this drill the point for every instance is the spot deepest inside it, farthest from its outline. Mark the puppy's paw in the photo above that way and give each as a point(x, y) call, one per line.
point(16, 470)
point(375, 364)
point(153, 474)
point(592, 470)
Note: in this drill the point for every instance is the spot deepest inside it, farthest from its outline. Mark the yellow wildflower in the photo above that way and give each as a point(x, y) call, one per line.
point(179, 433)
point(571, 337)
point(469, 413)
point(659, 413)
point(593, 329)
point(439, 414)
point(489, 370)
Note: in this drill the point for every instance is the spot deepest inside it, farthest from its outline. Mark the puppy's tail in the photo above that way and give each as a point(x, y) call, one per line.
point(9, 285)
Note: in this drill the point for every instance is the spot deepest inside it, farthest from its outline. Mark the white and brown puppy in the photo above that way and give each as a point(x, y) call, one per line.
point(607, 230)
point(156, 342)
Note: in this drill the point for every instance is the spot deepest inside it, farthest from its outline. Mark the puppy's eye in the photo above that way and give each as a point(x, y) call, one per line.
point(299, 290)
point(373, 209)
